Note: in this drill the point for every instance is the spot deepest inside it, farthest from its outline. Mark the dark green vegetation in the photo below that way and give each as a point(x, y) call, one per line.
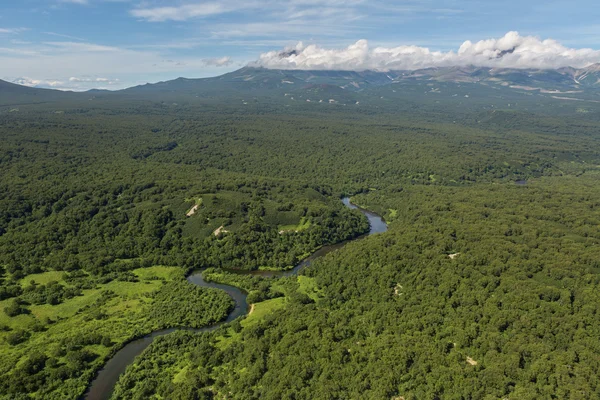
point(94, 195)
point(397, 316)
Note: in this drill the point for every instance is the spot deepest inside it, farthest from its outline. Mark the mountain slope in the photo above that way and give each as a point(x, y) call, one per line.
point(261, 80)
point(12, 94)
point(342, 86)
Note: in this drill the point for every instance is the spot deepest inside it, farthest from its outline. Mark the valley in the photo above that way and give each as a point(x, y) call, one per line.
point(481, 283)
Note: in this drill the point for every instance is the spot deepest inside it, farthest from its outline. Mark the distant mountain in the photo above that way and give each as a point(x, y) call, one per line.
point(7, 87)
point(543, 79)
point(589, 76)
point(346, 87)
point(12, 93)
point(532, 79)
point(248, 83)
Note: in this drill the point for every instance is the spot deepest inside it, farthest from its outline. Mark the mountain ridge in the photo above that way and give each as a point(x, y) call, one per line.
point(470, 73)
point(344, 87)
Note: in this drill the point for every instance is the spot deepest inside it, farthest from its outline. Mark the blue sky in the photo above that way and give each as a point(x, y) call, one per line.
point(80, 44)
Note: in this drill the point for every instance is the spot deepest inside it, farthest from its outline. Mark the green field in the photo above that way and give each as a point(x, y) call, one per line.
point(90, 326)
point(303, 225)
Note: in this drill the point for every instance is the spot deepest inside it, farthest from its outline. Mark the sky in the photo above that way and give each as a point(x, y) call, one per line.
point(112, 44)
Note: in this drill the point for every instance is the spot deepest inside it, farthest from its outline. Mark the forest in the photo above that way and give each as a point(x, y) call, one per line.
point(485, 286)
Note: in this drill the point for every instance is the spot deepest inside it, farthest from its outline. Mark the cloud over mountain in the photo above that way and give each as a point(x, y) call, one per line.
point(510, 51)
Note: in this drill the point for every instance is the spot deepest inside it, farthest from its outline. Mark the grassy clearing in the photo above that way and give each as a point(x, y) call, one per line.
point(43, 278)
point(302, 226)
point(68, 308)
point(196, 200)
point(14, 322)
point(151, 279)
point(227, 338)
point(119, 316)
point(181, 375)
point(262, 309)
point(309, 287)
point(129, 293)
point(158, 272)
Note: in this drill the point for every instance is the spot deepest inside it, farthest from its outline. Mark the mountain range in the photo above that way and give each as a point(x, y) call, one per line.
point(351, 86)
point(564, 79)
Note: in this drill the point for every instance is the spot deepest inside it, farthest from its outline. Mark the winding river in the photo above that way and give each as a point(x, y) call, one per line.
point(103, 385)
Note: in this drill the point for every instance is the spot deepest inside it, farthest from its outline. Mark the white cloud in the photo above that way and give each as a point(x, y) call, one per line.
point(82, 66)
point(82, 47)
point(509, 51)
point(83, 2)
point(218, 62)
point(18, 51)
point(181, 13)
point(63, 36)
point(273, 10)
point(73, 83)
point(12, 31)
point(52, 83)
point(279, 29)
point(106, 81)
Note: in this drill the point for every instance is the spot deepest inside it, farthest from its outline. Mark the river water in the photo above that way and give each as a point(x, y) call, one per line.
point(103, 385)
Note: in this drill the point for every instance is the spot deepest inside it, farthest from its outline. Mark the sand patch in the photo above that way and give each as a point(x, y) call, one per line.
point(470, 361)
point(397, 290)
point(192, 211)
point(219, 230)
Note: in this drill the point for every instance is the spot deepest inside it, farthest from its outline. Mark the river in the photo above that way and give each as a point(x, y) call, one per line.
point(103, 385)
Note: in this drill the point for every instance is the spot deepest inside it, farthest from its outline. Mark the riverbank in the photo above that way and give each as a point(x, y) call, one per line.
point(103, 385)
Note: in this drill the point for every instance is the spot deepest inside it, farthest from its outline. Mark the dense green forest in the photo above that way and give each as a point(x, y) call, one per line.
point(513, 313)
point(485, 286)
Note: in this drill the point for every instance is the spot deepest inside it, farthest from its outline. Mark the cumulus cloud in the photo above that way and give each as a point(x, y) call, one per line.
point(510, 51)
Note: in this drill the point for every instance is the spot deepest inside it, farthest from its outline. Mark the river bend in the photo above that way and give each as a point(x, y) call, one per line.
point(103, 385)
